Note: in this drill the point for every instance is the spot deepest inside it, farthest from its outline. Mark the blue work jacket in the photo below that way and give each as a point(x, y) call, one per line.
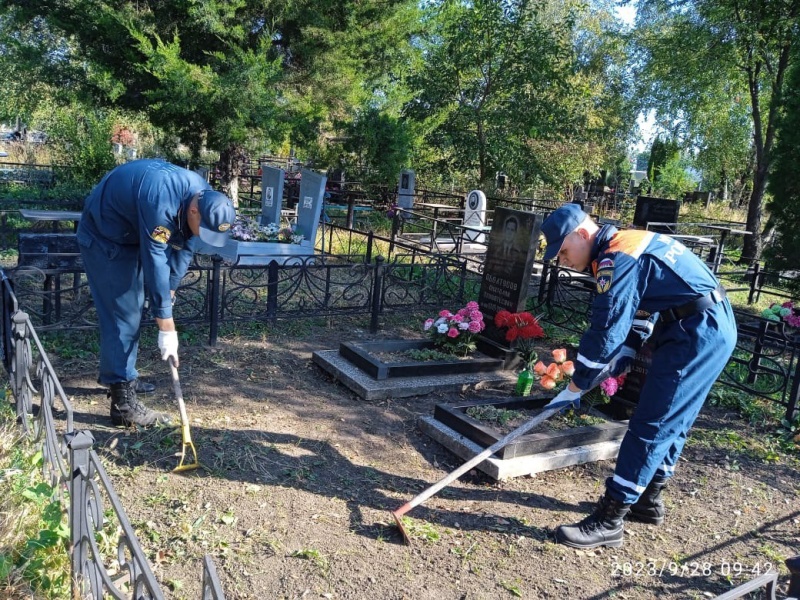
point(634, 270)
point(143, 203)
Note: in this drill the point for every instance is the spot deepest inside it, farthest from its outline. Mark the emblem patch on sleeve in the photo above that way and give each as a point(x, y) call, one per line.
point(161, 234)
point(604, 278)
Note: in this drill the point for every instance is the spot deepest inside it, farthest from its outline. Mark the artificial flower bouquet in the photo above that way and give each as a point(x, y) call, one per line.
point(522, 329)
point(786, 312)
point(557, 375)
point(246, 229)
point(455, 333)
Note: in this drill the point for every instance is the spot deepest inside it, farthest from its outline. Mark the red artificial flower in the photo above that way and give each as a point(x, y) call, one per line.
point(502, 318)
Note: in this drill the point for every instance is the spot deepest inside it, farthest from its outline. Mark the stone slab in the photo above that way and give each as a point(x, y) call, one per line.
point(368, 388)
point(521, 465)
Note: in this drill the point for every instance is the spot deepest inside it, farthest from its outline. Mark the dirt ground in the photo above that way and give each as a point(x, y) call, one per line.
point(300, 476)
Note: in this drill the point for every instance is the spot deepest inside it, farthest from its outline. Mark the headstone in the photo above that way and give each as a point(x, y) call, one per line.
point(513, 241)
point(271, 194)
point(405, 189)
point(501, 181)
point(475, 216)
point(309, 204)
point(656, 210)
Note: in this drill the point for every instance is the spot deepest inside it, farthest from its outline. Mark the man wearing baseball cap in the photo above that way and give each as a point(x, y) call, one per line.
point(693, 337)
point(139, 229)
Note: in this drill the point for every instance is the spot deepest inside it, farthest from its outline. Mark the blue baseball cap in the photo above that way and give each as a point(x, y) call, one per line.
point(216, 217)
point(561, 222)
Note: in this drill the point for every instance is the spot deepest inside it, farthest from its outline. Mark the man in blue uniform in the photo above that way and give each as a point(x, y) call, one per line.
point(693, 338)
point(140, 225)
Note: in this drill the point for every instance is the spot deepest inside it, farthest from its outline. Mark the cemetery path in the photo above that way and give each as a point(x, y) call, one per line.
point(300, 476)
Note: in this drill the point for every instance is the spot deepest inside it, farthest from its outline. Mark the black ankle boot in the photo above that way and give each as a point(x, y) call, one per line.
point(649, 508)
point(602, 528)
point(127, 410)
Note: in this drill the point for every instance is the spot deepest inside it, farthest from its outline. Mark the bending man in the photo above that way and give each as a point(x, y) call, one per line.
point(692, 341)
point(140, 225)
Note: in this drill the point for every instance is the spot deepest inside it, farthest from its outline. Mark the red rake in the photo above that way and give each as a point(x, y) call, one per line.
point(499, 444)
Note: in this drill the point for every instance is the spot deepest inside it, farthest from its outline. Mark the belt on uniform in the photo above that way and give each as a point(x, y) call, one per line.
point(695, 306)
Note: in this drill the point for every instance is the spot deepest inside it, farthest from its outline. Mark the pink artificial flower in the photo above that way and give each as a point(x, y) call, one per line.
point(610, 386)
point(463, 312)
point(787, 304)
point(475, 326)
point(472, 305)
point(446, 314)
point(793, 320)
point(458, 318)
point(428, 324)
point(452, 332)
point(476, 315)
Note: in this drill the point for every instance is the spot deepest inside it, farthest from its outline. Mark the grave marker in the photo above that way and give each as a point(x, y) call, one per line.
point(405, 189)
point(655, 210)
point(513, 241)
point(475, 216)
point(309, 205)
point(271, 195)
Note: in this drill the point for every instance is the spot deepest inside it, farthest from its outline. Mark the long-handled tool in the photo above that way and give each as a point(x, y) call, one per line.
point(185, 433)
point(475, 460)
point(548, 412)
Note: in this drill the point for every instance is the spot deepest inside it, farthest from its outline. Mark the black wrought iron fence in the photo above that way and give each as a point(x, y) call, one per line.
point(105, 555)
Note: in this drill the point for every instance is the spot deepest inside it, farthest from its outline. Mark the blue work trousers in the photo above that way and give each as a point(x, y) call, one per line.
point(115, 279)
point(688, 357)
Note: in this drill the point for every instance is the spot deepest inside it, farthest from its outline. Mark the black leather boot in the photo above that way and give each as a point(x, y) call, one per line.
point(602, 528)
point(142, 387)
point(649, 508)
point(127, 410)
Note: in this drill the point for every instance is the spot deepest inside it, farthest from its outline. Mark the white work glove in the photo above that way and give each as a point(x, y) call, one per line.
point(566, 397)
point(168, 345)
point(622, 361)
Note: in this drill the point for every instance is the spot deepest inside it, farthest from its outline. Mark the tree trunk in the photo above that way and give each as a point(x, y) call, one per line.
point(231, 164)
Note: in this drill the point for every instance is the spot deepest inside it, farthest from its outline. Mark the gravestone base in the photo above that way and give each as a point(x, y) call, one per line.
point(369, 388)
point(510, 358)
point(518, 466)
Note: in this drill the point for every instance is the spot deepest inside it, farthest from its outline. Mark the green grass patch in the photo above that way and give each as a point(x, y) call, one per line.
point(34, 533)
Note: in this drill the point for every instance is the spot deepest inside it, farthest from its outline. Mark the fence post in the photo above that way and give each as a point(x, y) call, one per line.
point(272, 292)
point(543, 283)
point(80, 444)
point(377, 294)
point(368, 255)
point(794, 396)
point(754, 282)
point(214, 301)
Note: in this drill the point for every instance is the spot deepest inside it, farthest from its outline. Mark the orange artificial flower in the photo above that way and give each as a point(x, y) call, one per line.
point(547, 383)
point(568, 368)
point(539, 368)
point(560, 355)
point(554, 372)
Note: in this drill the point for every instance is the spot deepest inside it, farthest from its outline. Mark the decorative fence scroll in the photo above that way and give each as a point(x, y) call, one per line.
point(76, 474)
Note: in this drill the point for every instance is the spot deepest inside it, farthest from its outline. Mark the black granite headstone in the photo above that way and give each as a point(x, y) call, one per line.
point(656, 210)
point(507, 271)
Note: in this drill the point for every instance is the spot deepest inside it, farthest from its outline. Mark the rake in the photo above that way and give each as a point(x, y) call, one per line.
point(185, 433)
